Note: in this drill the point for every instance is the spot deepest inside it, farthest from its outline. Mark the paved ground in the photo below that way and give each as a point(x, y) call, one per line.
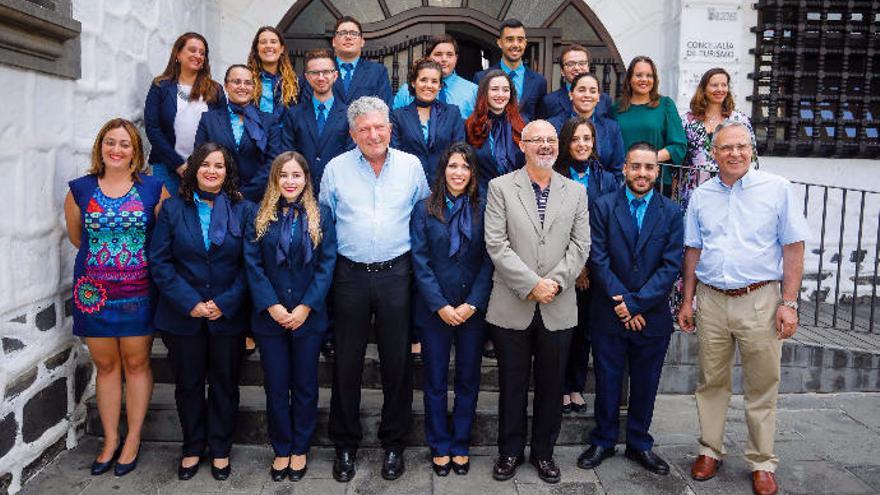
point(827, 444)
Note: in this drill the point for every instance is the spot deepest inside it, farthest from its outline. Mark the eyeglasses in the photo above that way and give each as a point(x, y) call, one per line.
point(552, 141)
point(352, 34)
point(729, 148)
point(576, 63)
point(240, 82)
point(320, 73)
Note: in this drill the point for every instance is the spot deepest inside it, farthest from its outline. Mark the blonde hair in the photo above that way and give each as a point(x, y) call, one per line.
point(289, 81)
point(268, 211)
point(137, 157)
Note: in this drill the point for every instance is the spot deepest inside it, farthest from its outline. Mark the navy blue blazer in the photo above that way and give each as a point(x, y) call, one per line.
point(608, 141)
point(293, 284)
point(160, 109)
point(600, 183)
point(640, 266)
point(559, 103)
point(487, 167)
point(253, 165)
point(441, 280)
point(406, 134)
point(300, 133)
point(534, 89)
point(187, 274)
point(369, 79)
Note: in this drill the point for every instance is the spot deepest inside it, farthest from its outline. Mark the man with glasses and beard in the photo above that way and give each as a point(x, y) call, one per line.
point(637, 241)
point(537, 234)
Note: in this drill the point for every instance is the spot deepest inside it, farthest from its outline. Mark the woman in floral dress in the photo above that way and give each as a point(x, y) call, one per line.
point(110, 214)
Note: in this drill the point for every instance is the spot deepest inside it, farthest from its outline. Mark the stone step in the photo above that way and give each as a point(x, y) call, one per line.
point(162, 423)
point(252, 371)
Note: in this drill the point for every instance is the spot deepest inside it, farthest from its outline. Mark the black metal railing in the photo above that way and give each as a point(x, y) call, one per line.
point(839, 289)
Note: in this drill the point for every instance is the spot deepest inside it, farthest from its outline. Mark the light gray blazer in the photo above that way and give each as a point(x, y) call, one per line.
point(524, 251)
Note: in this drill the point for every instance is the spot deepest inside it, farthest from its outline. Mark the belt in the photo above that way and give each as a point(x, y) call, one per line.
point(377, 266)
point(742, 290)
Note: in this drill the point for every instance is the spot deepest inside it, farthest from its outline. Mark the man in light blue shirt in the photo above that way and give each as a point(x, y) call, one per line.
point(455, 89)
point(744, 234)
point(371, 191)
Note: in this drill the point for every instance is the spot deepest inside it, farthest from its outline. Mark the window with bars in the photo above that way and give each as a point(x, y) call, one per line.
point(816, 85)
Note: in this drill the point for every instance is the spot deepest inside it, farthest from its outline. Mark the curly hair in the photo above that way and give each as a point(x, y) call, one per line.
point(627, 94)
point(566, 135)
point(189, 183)
point(700, 101)
point(436, 205)
point(204, 87)
point(268, 211)
point(137, 158)
point(289, 81)
point(478, 126)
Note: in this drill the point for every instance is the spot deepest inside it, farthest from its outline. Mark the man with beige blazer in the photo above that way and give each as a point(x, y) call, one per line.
point(538, 236)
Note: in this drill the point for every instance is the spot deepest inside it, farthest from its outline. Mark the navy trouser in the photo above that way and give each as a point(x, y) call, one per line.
point(437, 341)
point(290, 377)
point(196, 359)
point(612, 351)
point(578, 357)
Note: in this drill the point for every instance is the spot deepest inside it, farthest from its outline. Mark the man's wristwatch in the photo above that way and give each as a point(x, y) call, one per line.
point(790, 304)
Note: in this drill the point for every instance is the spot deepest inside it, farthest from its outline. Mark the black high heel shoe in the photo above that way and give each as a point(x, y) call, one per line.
point(99, 468)
point(123, 469)
point(185, 473)
point(441, 469)
point(279, 474)
point(461, 469)
point(298, 474)
point(221, 474)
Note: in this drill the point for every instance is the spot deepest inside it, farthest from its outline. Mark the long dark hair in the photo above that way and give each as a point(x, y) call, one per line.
point(204, 87)
point(189, 183)
point(436, 206)
point(478, 125)
point(626, 96)
point(566, 135)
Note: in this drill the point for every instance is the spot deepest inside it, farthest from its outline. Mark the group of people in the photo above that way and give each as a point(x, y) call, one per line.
point(488, 217)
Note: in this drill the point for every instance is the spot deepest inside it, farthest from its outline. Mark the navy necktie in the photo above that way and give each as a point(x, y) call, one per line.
point(322, 118)
point(346, 78)
point(634, 211)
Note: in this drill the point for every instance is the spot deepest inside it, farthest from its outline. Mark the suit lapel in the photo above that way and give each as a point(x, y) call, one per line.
point(327, 125)
point(652, 215)
point(311, 121)
point(528, 80)
point(225, 123)
point(527, 198)
point(621, 211)
point(191, 219)
point(554, 200)
point(414, 125)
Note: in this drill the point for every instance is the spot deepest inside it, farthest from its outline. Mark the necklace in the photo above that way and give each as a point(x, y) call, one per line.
point(183, 92)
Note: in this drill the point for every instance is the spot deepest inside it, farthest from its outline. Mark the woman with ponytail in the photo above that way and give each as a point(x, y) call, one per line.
point(290, 256)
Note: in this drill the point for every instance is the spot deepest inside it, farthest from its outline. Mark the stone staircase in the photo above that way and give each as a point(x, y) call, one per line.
point(162, 423)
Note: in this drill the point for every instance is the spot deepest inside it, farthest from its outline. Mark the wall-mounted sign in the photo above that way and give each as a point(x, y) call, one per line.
point(711, 33)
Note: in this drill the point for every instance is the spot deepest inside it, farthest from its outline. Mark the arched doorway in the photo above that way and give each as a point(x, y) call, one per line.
point(396, 32)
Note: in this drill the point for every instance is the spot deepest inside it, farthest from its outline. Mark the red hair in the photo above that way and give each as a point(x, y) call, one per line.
point(478, 126)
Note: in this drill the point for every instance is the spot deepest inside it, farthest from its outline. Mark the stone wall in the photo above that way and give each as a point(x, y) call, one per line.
point(46, 133)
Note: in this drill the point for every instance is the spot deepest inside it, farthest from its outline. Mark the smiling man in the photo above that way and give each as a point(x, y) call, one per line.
point(635, 258)
point(530, 86)
point(538, 235)
point(574, 61)
point(371, 191)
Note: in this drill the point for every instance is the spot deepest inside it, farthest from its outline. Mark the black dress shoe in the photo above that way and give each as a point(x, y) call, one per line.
point(392, 466)
point(578, 408)
point(185, 473)
point(594, 456)
point(298, 474)
point(328, 350)
point(343, 466)
point(489, 353)
point(649, 460)
point(123, 469)
point(221, 474)
point(461, 469)
point(547, 470)
point(505, 467)
point(99, 468)
point(279, 474)
point(441, 469)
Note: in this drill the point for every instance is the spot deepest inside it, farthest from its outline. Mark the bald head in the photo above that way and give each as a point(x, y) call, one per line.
point(540, 144)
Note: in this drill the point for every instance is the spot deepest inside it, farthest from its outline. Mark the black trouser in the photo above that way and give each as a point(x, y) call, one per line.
point(515, 349)
point(359, 297)
point(578, 357)
point(195, 358)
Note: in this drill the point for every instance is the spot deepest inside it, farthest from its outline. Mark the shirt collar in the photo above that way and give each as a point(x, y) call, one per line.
point(750, 178)
point(327, 104)
point(354, 62)
point(197, 199)
point(630, 196)
point(519, 70)
point(363, 160)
